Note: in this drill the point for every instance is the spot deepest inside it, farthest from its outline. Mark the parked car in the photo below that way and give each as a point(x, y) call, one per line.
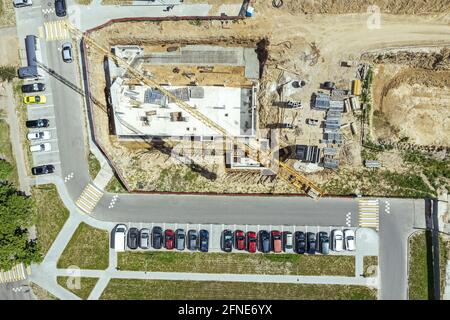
point(38, 123)
point(275, 237)
point(226, 241)
point(300, 242)
point(310, 243)
point(288, 243)
point(349, 240)
point(338, 240)
point(328, 85)
point(33, 87)
point(324, 243)
point(34, 99)
point(60, 8)
point(144, 238)
point(41, 147)
point(169, 239)
point(251, 241)
point(67, 52)
point(119, 237)
point(239, 240)
point(133, 238)
point(263, 241)
point(192, 240)
point(180, 239)
point(157, 238)
point(38, 135)
point(286, 126)
point(22, 3)
point(312, 122)
point(45, 169)
point(204, 240)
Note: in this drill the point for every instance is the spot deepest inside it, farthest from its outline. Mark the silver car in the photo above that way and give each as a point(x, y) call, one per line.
point(180, 239)
point(67, 52)
point(144, 238)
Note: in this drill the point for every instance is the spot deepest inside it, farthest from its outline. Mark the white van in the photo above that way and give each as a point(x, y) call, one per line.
point(119, 237)
point(22, 3)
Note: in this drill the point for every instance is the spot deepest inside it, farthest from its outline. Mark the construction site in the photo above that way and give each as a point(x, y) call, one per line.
point(222, 95)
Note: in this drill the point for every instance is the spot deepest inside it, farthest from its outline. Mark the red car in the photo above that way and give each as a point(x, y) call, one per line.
point(251, 241)
point(275, 236)
point(169, 239)
point(239, 240)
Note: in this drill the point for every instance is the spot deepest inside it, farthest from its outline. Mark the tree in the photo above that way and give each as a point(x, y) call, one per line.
point(16, 215)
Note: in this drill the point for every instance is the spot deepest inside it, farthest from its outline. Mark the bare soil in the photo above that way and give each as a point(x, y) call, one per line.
point(295, 47)
point(412, 103)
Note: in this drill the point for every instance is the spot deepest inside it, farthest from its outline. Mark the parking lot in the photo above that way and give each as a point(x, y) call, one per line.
point(215, 233)
point(44, 111)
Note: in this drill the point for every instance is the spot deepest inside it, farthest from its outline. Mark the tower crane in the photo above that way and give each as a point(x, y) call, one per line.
point(251, 148)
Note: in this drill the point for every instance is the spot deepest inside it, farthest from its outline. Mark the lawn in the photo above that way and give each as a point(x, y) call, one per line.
point(40, 293)
point(86, 286)
point(370, 262)
point(115, 186)
point(8, 170)
point(7, 16)
point(88, 249)
point(94, 165)
point(51, 214)
point(377, 183)
point(418, 281)
point(289, 264)
point(132, 289)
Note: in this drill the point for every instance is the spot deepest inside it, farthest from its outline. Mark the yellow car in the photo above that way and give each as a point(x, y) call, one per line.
point(34, 99)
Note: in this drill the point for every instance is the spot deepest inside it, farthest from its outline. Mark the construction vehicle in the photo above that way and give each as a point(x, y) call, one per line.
point(349, 63)
point(251, 148)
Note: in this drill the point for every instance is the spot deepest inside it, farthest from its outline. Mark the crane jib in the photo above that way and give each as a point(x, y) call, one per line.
point(284, 171)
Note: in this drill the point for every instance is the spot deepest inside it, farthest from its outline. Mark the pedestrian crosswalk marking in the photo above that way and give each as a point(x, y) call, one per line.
point(17, 273)
point(369, 213)
point(56, 30)
point(89, 198)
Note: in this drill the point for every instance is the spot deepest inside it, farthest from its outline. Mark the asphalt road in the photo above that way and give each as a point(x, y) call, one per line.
point(227, 209)
point(395, 227)
point(19, 290)
point(64, 80)
point(69, 117)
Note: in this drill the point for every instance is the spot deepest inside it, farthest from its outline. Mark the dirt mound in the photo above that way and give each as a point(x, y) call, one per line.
point(425, 60)
point(411, 103)
point(359, 6)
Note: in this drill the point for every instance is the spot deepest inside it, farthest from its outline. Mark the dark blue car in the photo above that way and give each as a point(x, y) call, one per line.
point(204, 239)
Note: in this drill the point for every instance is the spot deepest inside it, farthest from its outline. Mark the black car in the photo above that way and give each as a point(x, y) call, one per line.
point(60, 8)
point(33, 87)
point(300, 242)
point(204, 240)
point(47, 168)
point(328, 85)
point(324, 242)
point(264, 241)
point(133, 238)
point(311, 243)
point(226, 241)
point(39, 123)
point(157, 237)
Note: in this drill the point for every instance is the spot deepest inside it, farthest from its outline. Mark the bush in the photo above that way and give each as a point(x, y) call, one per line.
point(7, 73)
point(6, 169)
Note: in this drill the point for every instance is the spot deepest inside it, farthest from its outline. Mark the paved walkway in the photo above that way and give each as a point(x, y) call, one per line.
point(45, 274)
